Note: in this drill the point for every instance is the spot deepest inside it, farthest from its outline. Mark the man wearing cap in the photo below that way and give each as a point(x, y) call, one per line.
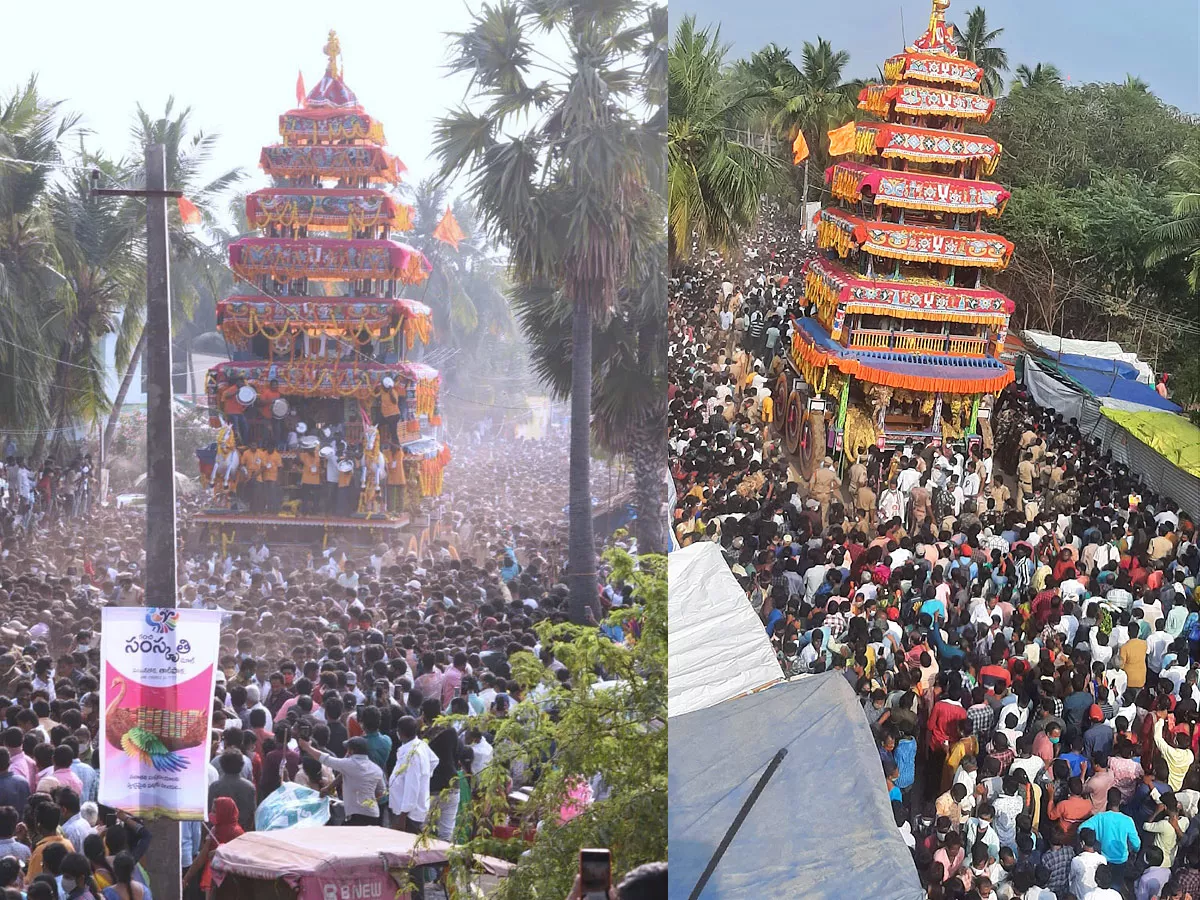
point(821, 485)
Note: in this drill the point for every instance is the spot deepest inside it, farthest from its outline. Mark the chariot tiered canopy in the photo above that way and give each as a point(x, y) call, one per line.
point(903, 337)
point(319, 309)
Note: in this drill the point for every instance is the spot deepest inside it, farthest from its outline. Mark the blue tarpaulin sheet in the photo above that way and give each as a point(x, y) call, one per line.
point(822, 829)
point(1112, 384)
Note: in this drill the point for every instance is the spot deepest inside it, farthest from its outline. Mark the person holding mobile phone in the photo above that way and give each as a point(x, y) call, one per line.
point(646, 882)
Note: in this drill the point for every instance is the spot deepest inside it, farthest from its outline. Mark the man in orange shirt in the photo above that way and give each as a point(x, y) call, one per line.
point(233, 409)
point(269, 462)
point(310, 480)
point(389, 409)
point(251, 468)
point(274, 427)
point(394, 455)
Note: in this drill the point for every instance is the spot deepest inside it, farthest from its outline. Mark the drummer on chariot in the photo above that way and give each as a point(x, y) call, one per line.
point(235, 396)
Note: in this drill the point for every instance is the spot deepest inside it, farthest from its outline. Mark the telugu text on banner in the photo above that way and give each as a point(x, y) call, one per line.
point(159, 670)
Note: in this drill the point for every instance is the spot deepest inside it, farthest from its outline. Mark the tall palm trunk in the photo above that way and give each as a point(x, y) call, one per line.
point(646, 452)
point(581, 551)
point(804, 199)
point(114, 416)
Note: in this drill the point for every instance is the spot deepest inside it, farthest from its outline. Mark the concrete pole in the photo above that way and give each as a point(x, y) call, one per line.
point(160, 424)
point(163, 860)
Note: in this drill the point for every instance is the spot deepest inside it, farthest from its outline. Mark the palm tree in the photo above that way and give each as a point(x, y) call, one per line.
point(1180, 236)
point(31, 128)
point(101, 262)
point(466, 289)
point(192, 268)
point(714, 180)
point(976, 43)
point(559, 161)
point(1040, 77)
point(813, 99)
point(629, 374)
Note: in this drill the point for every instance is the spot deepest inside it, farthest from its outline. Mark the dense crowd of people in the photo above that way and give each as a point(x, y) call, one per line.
point(1021, 621)
point(335, 668)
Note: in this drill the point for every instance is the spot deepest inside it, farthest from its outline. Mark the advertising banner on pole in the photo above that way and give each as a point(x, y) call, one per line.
point(159, 670)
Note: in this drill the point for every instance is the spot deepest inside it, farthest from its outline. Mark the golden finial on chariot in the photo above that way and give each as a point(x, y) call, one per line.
point(333, 49)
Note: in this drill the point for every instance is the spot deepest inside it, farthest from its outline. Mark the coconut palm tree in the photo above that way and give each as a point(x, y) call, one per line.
point(559, 157)
point(192, 267)
point(102, 265)
point(31, 128)
point(977, 42)
point(1040, 77)
point(1180, 236)
point(715, 181)
point(813, 98)
point(466, 289)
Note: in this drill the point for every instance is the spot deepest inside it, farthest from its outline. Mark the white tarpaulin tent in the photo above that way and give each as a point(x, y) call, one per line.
point(1052, 343)
point(717, 646)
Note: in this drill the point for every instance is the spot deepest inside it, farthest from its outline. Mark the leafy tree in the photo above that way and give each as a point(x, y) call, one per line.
point(609, 732)
point(714, 180)
point(564, 194)
point(977, 42)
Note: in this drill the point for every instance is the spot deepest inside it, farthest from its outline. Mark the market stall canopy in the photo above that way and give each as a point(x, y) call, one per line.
point(309, 859)
point(822, 828)
point(718, 647)
point(1052, 344)
point(1172, 436)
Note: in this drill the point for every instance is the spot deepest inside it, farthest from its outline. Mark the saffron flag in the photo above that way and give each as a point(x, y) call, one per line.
point(300, 89)
point(447, 230)
point(799, 149)
point(841, 140)
point(188, 212)
point(158, 670)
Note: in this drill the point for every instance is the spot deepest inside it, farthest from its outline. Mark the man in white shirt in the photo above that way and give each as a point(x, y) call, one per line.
point(408, 788)
point(1085, 864)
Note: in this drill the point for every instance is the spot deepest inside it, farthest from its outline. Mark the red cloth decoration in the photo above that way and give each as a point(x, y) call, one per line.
point(448, 231)
point(300, 89)
point(188, 212)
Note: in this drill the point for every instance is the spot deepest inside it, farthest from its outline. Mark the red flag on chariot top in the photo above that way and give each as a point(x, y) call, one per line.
point(188, 212)
point(300, 89)
point(447, 230)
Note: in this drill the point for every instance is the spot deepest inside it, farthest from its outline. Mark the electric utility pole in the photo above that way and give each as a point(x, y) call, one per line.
point(163, 862)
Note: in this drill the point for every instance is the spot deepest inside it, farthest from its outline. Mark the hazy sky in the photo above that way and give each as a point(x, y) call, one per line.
point(235, 64)
point(1089, 40)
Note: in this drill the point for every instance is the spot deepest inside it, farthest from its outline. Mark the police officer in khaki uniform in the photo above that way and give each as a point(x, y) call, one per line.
point(821, 486)
point(1026, 472)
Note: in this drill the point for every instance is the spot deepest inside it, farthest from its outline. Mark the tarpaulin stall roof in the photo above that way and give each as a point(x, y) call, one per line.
point(717, 646)
point(822, 829)
point(340, 862)
point(1111, 385)
point(1053, 345)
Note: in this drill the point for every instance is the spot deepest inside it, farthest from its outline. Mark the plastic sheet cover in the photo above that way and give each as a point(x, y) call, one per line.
point(717, 645)
point(821, 830)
